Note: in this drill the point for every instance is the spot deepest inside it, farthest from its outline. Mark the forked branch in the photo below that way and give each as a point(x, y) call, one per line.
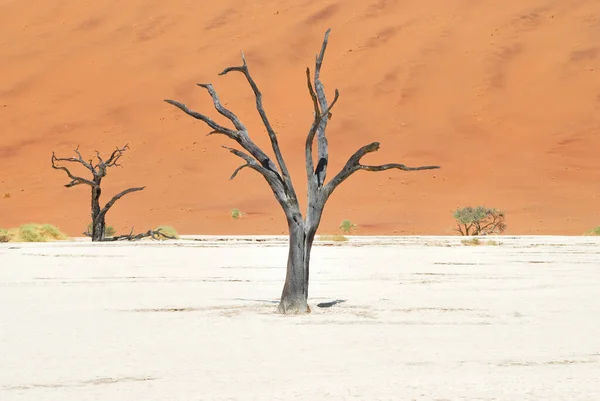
point(75, 180)
point(263, 115)
point(319, 115)
point(98, 170)
point(273, 179)
point(278, 178)
point(240, 136)
point(353, 165)
point(323, 147)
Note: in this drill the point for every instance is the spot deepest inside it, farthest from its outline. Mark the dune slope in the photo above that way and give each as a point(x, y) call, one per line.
point(504, 95)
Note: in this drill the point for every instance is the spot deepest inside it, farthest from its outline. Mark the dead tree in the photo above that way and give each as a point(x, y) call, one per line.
point(98, 169)
point(301, 230)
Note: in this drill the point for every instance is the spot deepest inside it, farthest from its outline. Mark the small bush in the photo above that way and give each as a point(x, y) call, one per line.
point(30, 233)
point(347, 226)
point(333, 238)
point(167, 230)
point(471, 242)
point(236, 214)
point(51, 232)
point(593, 231)
point(5, 235)
point(477, 241)
point(7, 195)
point(109, 231)
point(479, 221)
point(38, 233)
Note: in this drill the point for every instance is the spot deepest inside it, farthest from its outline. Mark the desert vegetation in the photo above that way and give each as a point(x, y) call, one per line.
point(236, 214)
point(347, 226)
point(479, 221)
point(593, 231)
point(302, 229)
point(477, 241)
point(98, 230)
point(32, 232)
point(167, 232)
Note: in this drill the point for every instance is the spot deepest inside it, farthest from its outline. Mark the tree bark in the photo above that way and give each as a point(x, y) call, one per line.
point(294, 297)
point(98, 220)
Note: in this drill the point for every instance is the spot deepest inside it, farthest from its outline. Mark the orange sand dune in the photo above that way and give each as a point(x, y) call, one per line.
point(505, 95)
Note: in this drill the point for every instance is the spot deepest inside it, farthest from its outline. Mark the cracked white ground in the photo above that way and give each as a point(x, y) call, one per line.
point(424, 318)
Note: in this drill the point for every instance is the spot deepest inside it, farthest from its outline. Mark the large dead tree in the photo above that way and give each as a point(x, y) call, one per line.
point(301, 230)
point(98, 168)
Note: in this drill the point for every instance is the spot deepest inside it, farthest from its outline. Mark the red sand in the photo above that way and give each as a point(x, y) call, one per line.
point(504, 95)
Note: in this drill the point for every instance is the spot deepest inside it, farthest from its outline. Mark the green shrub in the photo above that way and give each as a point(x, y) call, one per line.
point(30, 233)
point(333, 238)
point(477, 241)
point(167, 230)
point(593, 231)
point(346, 226)
point(479, 221)
point(51, 232)
point(39, 233)
point(236, 214)
point(5, 235)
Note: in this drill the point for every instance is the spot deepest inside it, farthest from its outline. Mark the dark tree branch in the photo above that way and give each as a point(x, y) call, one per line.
point(353, 165)
point(80, 160)
point(240, 136)
point(154, 234)
point(75, 179)
point(118, 196)
point(208, 121)
point(115, 156)
point(312, 175)
point(222, 110)
point(323, 147)
point(263, 115)
point(272, 178)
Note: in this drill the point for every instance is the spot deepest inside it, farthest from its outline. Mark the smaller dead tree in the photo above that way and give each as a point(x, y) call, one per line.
point(98, 168)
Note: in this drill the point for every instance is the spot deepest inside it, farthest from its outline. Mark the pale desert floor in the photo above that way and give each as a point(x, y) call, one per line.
point(503, 95)
point(425, 318)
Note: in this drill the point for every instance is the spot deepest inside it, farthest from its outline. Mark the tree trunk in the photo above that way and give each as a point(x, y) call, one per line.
point(295, 291)
point(98, 220)
point(294, 298)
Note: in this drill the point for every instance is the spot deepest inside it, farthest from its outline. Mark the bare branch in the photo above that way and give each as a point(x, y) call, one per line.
point(237, 170)
point(208, 121)
point(310, 170)
point(323, 152)
point(75, 179)
point(263, 115)
point(154, 234)
point(80, 160)
point(115, 156)
point(273, 179)
point(250, 162)
point(222, 110)
point(118, 196)
point(353, 165)
point(241, 136)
